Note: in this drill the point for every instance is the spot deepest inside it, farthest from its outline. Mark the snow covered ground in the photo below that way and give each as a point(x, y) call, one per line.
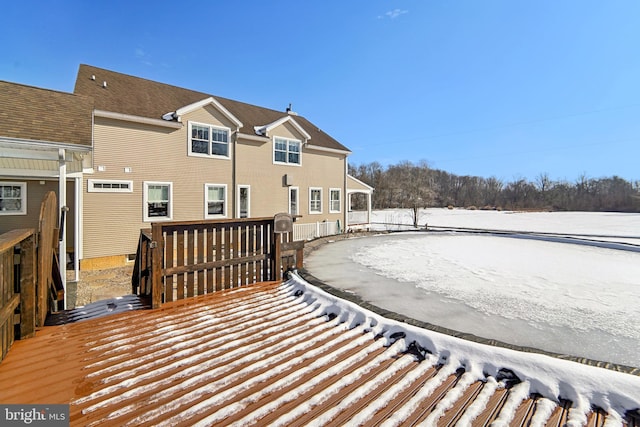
point(566, 298)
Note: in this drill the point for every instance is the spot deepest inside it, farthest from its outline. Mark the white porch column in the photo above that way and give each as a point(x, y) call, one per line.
point(77, 214)
point(62, 219)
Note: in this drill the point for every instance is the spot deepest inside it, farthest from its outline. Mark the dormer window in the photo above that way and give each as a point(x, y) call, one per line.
point(208, 140)
point(286, 151)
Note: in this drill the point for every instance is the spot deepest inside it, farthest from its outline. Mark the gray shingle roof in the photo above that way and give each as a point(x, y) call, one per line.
point(32, 113)
point(146, 98)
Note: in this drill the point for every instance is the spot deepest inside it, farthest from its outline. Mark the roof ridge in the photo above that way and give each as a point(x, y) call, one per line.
point(188, 89)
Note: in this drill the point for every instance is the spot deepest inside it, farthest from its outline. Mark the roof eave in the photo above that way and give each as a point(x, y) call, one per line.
point(137, 119)
point(329, 150)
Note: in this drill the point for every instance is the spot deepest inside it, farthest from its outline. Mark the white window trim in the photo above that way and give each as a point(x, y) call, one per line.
point(145, 211)
point(92, 189)
point(288, 140)
point(23, 198)
point(209, 156)
point(297, 201)
point(206, 201)
point(248, 201)
point(339, 190)
point(312, 212)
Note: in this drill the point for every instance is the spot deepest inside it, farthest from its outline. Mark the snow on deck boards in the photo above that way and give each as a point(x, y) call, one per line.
point(262, 355)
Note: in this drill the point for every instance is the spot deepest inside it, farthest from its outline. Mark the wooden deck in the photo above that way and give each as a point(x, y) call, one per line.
point(258, 355)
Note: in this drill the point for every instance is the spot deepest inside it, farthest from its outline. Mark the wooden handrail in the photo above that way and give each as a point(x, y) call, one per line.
point(17, 286)
point(180, 259)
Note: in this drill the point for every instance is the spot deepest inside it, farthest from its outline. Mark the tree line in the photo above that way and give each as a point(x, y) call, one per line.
point(416, 185)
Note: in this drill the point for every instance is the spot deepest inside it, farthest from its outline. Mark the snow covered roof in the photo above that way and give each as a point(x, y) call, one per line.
point(291, 354)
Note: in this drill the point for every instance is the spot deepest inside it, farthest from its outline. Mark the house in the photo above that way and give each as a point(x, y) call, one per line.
point(138, 151)
point(167, 153)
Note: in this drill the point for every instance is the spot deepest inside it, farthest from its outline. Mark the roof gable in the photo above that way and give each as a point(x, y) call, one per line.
point(200, 104)
point(266, 129)
point(136, 96)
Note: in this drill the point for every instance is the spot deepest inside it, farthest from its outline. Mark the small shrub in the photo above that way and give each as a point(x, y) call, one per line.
point(471, 208)
point(450, 207)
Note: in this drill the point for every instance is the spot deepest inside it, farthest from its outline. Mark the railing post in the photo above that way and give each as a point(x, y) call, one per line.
point(157, 249)
point(28, 287)
point(276, 258)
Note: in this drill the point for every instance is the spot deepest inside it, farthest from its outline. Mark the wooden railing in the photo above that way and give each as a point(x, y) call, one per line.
point(176, 260)
point(17, 287)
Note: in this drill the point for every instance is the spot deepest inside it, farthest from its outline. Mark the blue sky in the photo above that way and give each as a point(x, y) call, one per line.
point(502, 88)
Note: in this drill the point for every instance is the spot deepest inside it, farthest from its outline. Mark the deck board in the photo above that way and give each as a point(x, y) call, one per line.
point(255, 355)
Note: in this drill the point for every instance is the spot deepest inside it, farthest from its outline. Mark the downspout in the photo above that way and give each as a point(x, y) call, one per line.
point(347, 197)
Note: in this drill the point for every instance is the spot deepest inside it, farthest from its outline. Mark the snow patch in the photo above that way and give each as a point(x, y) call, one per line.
point(550, 377)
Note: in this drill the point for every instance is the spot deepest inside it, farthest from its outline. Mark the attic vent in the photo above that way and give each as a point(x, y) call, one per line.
point(104, 84)
point(93, 77)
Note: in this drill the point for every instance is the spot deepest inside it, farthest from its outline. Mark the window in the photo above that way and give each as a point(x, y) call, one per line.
point(215, 203)
point(293, 200)
point(315, 200)
point(244, 192)
point(286, 151)
point(208, 140)
point(13, 198)
point(334, 200)
point(158, 204)
point(111, 186)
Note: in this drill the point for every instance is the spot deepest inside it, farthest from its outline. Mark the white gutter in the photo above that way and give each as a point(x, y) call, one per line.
point(137, 119)
point(253, 137)
point(38, 145)
point(329, 150)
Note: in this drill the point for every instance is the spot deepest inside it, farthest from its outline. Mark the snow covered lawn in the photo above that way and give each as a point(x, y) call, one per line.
point(566, 298)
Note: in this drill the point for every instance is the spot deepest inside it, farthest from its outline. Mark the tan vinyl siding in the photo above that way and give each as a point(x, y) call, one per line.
point(112, 221)
point(354, 184)
point(269, 194)
point(286, 130)
point(208, 115)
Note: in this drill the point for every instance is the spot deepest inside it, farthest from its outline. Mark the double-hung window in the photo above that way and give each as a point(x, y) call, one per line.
point(215, 203)
point(334, 200)
point(13, 198)
point(208, 140)
point(286, 151)
point(158, 201)
point(315, 200)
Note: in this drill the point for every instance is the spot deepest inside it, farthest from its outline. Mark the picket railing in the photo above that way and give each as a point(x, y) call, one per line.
point(315, 230)
point(177, 260)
